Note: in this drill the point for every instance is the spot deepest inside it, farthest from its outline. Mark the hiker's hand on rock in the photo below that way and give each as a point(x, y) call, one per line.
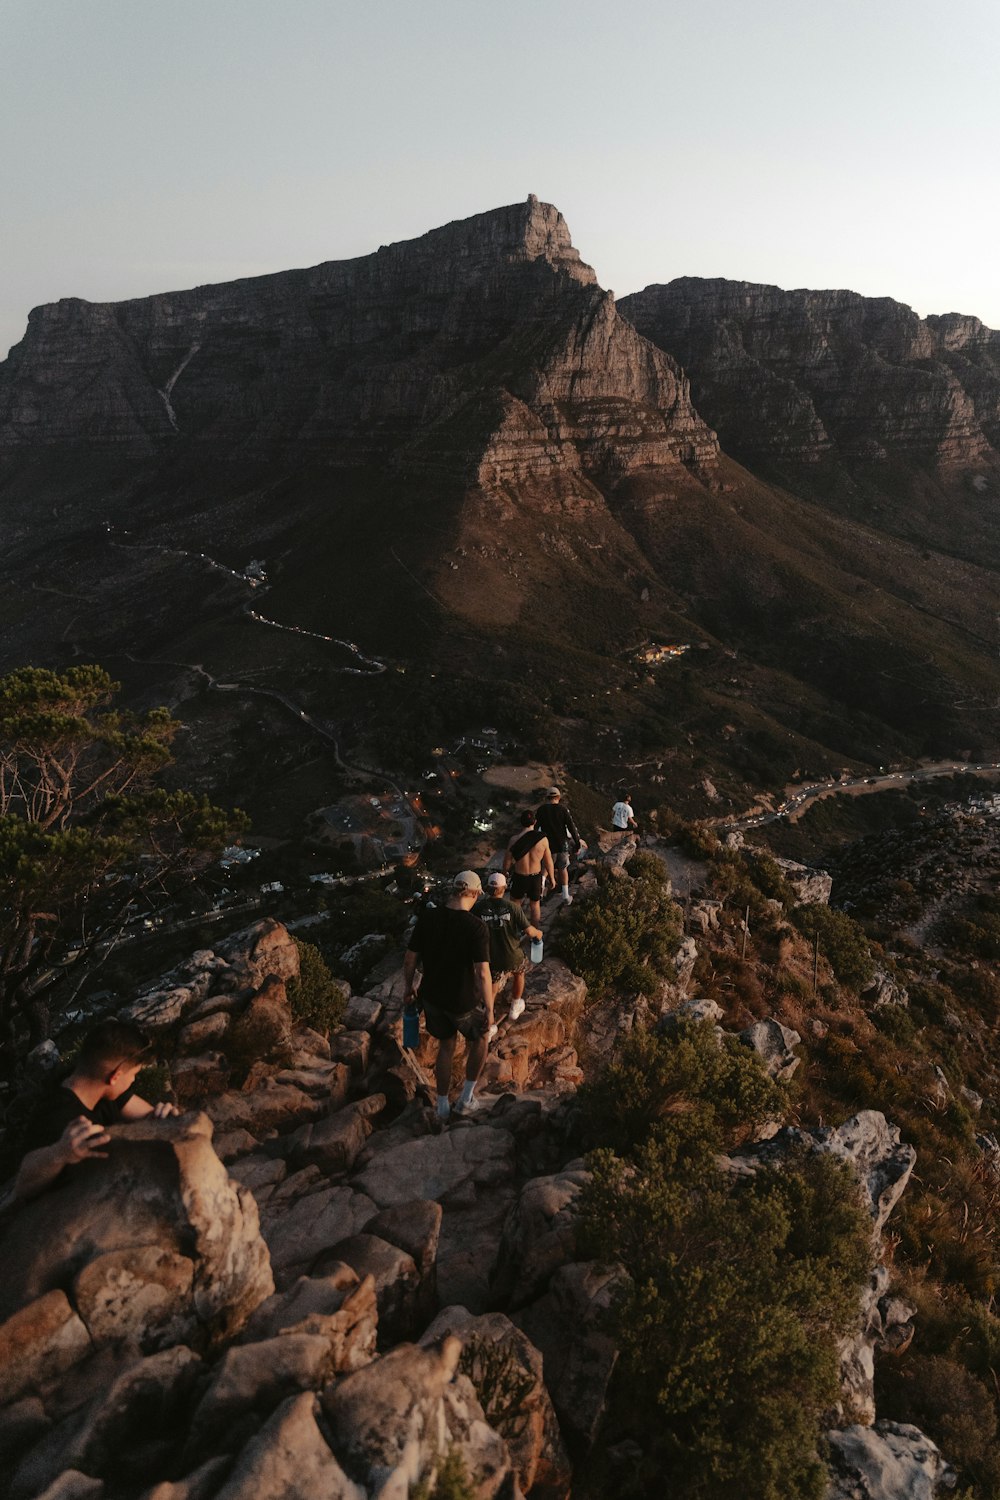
point(163, 1110)
point(82, 1139)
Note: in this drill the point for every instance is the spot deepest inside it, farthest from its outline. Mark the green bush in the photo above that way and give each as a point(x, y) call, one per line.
point(624, 934)
point(451, 1481)
point(952, 1406)
point(684, 1088)
point(727, 1323)
point(315, 998)
point(842, 942)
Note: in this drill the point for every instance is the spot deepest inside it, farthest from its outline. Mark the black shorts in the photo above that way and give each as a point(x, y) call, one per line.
point(442, 1025)
point(526, 885)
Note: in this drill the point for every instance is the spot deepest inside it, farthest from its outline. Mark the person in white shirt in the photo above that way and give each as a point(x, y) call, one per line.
point(622, 817)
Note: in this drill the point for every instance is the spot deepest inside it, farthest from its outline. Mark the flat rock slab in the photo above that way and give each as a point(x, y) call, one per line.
point(451, 1168)
point(315, 1223)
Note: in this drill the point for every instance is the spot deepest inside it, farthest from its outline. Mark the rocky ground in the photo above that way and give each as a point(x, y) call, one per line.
point(304, 1286)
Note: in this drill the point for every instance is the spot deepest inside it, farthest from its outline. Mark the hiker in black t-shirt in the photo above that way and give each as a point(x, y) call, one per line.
point(456, 991)
point(526, 859)
point(556, 822)
point(69, 1123)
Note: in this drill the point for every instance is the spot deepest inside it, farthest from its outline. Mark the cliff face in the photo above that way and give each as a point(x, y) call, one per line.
point(484, 349)
point(804, 376)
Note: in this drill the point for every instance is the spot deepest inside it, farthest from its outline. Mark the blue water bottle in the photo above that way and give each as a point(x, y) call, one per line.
point(411, 1026)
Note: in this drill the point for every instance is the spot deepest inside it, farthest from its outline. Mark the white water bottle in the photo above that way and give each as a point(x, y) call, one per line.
point(536, 950)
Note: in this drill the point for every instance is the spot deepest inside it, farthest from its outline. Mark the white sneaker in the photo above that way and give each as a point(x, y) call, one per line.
point(516, 1009)
point(470, 1108)
point(566, 896)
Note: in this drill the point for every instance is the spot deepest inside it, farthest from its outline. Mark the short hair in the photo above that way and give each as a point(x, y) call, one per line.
point(529, 818)
point(108, 1045)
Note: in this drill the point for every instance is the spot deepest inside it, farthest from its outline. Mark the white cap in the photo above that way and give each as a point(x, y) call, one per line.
point(467, 880)
point(497, 880)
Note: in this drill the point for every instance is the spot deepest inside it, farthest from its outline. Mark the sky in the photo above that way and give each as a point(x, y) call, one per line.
point(148, 145)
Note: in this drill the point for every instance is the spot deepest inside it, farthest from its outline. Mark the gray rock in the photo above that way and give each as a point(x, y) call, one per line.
point(890, 1461)
point(811, 887)
point(451, 1168)
point(773, 1043)
point(393, 1421)
point(396, 1278)
point(363, 1013)
point(312, 1225)
point(290, 1460)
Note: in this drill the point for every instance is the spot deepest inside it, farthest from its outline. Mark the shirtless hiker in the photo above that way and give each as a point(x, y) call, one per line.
point(526, 859)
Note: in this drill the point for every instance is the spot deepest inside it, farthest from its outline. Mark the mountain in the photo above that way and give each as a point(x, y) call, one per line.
point(855, 399)
point(477, 487)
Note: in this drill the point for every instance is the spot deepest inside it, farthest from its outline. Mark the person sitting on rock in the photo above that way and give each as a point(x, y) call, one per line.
point(622, 816)
point(456, 991)
point(529, 857)
point(505, 921)
point(69, 1124)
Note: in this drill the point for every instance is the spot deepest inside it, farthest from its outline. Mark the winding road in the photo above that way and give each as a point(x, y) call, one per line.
point(793, 807)
point(370, 666)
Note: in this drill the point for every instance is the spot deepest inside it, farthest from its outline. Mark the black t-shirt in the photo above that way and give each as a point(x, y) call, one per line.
point(449, 942)
point(58, 1106)
point(557, 824)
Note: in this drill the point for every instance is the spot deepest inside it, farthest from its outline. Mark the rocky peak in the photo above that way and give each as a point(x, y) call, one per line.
point(426, 355)
point(803, 375)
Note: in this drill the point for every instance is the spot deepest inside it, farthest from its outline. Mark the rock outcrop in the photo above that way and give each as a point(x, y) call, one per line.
point(804, 376)
point(485, 347)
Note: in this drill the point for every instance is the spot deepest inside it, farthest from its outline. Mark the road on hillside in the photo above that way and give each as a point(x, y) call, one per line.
point(793, 807)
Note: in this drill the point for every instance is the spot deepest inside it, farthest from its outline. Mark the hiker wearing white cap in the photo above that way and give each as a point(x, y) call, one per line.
point(456, 991)
point(505, 922)
point(556, 822)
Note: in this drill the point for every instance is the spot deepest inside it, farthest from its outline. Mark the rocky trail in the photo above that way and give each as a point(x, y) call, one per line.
point(306, 1287)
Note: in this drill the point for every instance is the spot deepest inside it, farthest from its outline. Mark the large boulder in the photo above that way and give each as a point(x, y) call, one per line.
point(290, 1459)
point(568, 1325)
point(812, 887)
point(773, 1044)
point(143, 1406)
point(890, 1461)
point(539, 1235)
point(258, 952)
point(38, 1344)
point(334, 1144)
point(393, 1422)
point(159, 1198)
point(453, 1168)
point(314, 1223)
point(506, 1371)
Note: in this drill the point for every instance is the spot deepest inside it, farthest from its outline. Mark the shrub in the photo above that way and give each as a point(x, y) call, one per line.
point(842, 942)
point(451, 1481)
point(625, 933)
point(951, 1405)
point(729, 1316)
point(502, 1384)
point(256, 1036)
point(315, 998)
point(684, 1088)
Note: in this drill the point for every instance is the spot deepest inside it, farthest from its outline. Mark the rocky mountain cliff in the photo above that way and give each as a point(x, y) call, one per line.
point(460, 454)
point(804, 376)
point(485, 347)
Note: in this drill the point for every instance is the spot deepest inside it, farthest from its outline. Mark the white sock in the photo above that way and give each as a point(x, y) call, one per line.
point(468, 1089)
point(444, 1108)
point(565, 892)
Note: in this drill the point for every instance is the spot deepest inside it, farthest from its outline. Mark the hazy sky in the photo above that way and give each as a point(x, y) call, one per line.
point(825, 143)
